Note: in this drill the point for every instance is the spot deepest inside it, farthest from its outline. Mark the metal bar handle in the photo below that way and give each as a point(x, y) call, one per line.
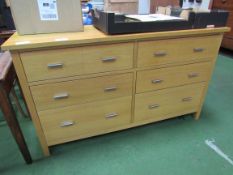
point(193, 75)
point(156, 81)
point(67, 123)
point(160, 53)
point(154, 106)
point(111, 115)
point(109, 59)
point(187, 99)
point(110, 89)
point(61, 96)
point(198, 49)
point(55, 65)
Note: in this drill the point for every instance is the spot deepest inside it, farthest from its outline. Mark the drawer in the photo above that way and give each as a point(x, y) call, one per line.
point(49, 64)
point(70, 123)
point(162, 52)
point(173, 76)
point(49, 96)
point(167, 103)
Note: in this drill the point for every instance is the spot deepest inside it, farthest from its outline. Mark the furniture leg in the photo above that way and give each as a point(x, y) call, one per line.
point(17, 103)
point(21, 93)
point(13, 124)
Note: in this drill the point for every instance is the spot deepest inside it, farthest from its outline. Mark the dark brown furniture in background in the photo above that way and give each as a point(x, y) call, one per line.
point(226, 5)
point(156, 3)
point(7, 81)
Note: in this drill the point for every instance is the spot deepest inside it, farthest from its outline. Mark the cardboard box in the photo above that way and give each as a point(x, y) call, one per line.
point(122, 6)
point(46, 16)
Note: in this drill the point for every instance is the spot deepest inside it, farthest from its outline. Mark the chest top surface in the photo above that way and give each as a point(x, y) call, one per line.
point(93, 36)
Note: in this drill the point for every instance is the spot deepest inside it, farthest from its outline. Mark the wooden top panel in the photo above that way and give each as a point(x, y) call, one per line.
point(92, 35)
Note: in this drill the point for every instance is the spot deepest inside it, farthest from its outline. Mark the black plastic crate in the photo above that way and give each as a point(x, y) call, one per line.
point(111, 23)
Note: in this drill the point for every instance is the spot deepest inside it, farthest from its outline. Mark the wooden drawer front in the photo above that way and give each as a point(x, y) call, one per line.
point(41, 65)
point(70, 123)
point(62, 94)
point(168, 103)
point(172, 76)
point(177, 50)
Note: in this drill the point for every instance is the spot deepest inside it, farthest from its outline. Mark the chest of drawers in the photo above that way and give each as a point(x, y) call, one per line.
point(91, 84)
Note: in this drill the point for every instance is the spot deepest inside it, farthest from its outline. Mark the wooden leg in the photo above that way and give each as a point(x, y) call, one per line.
point(197, 115)
point(20, 90)
point(17, 103)
point(13, 124)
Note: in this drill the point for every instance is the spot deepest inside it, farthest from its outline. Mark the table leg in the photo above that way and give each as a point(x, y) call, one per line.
point(21, 93)
point(13, 124)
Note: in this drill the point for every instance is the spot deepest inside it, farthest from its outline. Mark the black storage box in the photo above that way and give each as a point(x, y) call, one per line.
point(214, 18)
point(111, 23)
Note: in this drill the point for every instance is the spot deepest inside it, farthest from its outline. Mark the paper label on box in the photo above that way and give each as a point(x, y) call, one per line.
point(48, 10)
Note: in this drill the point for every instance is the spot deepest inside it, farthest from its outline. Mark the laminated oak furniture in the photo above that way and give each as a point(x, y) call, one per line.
point(79, 85)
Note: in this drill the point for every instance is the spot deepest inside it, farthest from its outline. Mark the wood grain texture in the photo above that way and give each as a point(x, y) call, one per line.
point(167, 102)
point(156, 79)
point(77, 61)
point(177, 50)
point(29, 101)
point(82, 91)
point(93, 36)
point(85, 90)
point(86, 118)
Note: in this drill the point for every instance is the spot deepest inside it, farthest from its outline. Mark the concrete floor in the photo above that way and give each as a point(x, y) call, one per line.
point(175, 146)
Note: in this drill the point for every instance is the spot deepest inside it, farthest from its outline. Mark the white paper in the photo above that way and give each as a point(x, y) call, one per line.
point(48, 10)
point(153, 17)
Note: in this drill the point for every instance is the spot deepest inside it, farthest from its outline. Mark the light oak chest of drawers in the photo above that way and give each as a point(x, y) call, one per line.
point(89, 83)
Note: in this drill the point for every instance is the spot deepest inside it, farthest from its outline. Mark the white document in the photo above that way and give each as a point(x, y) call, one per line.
point(153, 17)
point(48, 10)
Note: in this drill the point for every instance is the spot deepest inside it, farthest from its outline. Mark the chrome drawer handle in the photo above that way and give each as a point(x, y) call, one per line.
point(193, 75)
point(61, 96)
point(160, 53)
point(55, 65)
point(109, 59)
point(110, 89)
point(156, 81)
point(111, 115)
point(67, 123)
point(187, 99)
point(155, 106)
point(198, 49)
